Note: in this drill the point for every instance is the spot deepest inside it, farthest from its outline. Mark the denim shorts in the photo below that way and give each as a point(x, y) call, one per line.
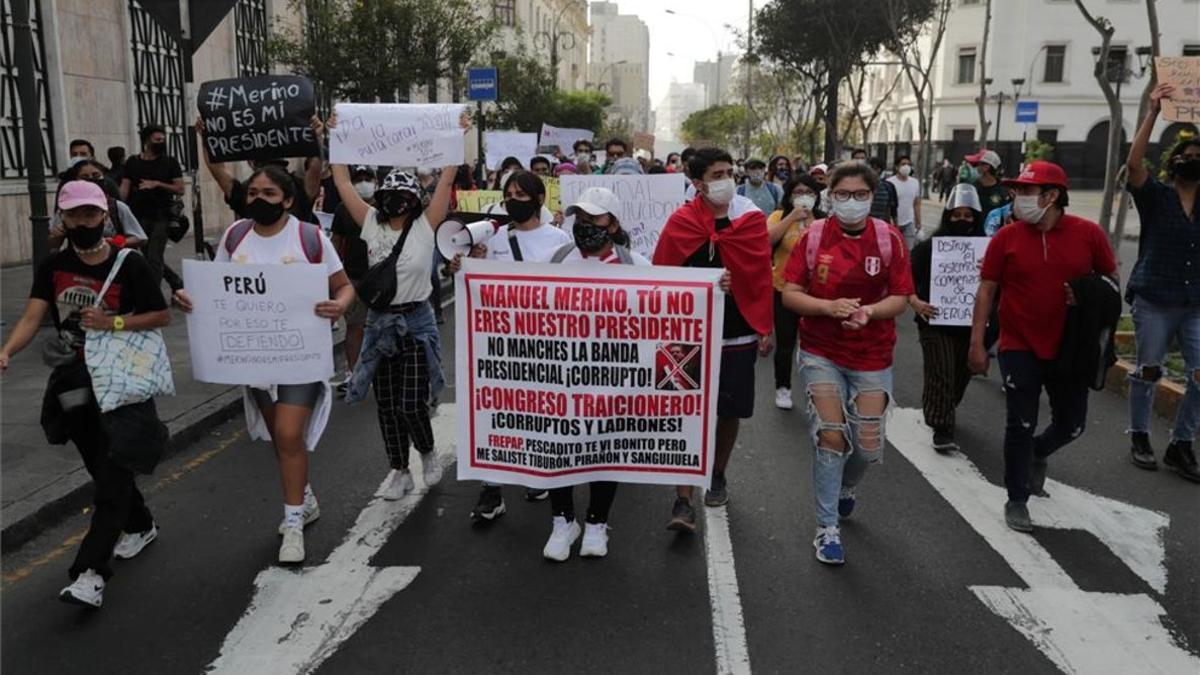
point(816, 371)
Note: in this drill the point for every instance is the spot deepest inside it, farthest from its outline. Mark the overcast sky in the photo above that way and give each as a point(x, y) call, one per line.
point(686, 35)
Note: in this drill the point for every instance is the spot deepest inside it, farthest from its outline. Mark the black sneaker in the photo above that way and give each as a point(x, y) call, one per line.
point(1037, 477)
point(1140, 452)
point(490, 505)
point(683, 516)
point(536, 495)
point(1179, 456)
point(943, 441)
point(718, 494)
point(1016, 516)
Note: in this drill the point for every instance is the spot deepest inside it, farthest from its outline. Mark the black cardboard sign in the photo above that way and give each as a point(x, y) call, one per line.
point(262, 117)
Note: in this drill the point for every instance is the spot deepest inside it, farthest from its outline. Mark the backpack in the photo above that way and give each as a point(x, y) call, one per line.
point(561, 254)
point(883, 237)
point(310, 239)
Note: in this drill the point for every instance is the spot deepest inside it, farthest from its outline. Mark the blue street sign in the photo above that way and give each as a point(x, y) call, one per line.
point(481, 84)
point(1027, 112)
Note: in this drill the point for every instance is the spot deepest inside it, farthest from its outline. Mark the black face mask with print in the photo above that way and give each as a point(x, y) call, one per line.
point(590, 237)
point(396, 204)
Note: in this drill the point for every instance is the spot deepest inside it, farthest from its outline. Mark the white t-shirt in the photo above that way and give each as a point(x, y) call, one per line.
point(282, 248)
point(906, 192)
point(415, 264)
point(612, 258)
point(537, 245)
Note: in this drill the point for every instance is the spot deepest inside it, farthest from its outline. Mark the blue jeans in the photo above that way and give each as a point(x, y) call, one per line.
point(843, 444)
point(1155, 325)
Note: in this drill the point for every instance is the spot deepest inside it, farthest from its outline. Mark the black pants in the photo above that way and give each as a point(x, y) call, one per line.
point(1024, 378)
point(787, 325)
point(562, 501)
point(402, 394)
point(944, 190)
point(156, 230)
point(119, 506)
point(946, 373)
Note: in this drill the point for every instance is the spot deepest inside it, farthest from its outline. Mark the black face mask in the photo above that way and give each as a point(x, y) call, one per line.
point(158, 148)
point(394, 205)
point(264, 212)
point(958, 227)
point(590, 237)
point(521, 211)
point(1187, 169)
point(84, 238)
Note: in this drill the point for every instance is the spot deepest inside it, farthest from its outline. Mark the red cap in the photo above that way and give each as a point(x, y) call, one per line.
point(1040, 172)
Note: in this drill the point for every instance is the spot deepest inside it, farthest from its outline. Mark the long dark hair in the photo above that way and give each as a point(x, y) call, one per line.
point(277, 175)
point(773, 162)
point(807, 181)
point(530, 183)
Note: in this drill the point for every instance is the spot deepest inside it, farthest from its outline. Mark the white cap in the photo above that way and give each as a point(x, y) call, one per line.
point(595, 201)
point(988, 157)
point(964, 194)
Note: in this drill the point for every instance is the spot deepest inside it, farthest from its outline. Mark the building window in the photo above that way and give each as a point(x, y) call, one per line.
point(1191, 50)
point(12, 139)
point(968, 2)
point(1118, 64)
point(250, 31)
point(158, 80)
point(505, 12)
point(1056, 59)
point(1048, 136)
point(966, 65)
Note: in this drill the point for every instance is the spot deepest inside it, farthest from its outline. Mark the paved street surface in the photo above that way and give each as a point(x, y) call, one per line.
point(933, 580)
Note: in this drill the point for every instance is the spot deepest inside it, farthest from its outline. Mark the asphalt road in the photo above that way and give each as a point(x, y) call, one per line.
point(483, 599)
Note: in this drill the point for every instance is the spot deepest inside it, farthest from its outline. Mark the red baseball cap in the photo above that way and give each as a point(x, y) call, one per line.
point(1040, 172)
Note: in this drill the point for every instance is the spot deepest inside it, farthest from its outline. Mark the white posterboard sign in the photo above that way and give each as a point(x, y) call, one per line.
point(256, 324)
point(563, 138)
point(585, 372)
point(954, 278)
point(502, 144)
point(646, 202)
point(397, 134)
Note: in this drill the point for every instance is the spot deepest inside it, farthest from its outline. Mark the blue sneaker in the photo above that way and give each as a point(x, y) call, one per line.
point(846, 501)
point(829, 546)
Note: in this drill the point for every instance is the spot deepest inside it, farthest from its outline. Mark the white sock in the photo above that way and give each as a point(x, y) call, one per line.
point(309, 497)
point(293, 516)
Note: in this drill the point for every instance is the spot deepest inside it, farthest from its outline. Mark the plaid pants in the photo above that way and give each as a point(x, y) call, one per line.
point(402, 394)
point(946, 374)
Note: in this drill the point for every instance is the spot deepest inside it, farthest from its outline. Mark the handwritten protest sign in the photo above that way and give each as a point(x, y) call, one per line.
point(262, 117)
point(562, 138)
point(553, 194)
point(954, 278)
point(643, 141)
point(646, 202)
point(1184, 73)
point(502, 144)
point(475, 201)
point(397, 134)
point(255, 324)
point(577, 373)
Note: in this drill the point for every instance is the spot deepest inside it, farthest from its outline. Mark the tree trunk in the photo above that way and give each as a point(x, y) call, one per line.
point(831, 118)
point(982, 100)
point(1143, 108)
point(1115, 119)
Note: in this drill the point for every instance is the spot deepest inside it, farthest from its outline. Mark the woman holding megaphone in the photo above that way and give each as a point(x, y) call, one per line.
point(401, 352)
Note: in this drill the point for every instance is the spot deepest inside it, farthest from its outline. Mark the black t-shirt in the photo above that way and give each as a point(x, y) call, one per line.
point(69, 285)
point(353, 250)
point(301, 206)
point(151, 204)
point(991, 197)
point(332, 198)
point(735, 323)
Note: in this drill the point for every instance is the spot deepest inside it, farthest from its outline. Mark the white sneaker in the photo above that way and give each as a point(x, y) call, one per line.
point(291, 551)
point(401, 483)
point(312, 511)
point(783, 398)
point(431, 469)
point(86, 590)
point(131, 544)
point(558, 546)
point(595, 540)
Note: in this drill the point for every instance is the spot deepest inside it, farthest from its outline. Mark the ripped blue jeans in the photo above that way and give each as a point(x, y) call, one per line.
point(845, 440)
point(1025, 375)
point(1156, 326)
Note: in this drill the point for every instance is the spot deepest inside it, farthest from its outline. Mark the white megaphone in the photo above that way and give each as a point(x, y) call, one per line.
point(454, 238)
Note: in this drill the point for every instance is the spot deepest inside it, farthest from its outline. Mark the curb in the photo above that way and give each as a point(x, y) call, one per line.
point(1167, 396)
point(73, 493)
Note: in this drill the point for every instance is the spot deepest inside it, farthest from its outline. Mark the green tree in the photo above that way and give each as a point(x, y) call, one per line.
point(723, 125)
point(527, 98)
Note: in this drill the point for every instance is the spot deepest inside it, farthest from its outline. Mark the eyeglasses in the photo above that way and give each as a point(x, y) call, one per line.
point(845, 195)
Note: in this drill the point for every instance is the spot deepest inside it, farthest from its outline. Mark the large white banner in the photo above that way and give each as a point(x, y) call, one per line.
point(256, 324)
point(954, 278)
point(502, 144)
point(563, 138)
point(397, 134)
point(646, 202)
point(574, 373)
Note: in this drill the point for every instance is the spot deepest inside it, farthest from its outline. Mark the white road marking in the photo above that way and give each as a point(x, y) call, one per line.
point(729, 629)
point(296, 620)
point(1081, 632)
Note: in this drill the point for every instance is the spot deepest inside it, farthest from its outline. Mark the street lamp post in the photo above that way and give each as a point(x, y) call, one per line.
point(552, 37)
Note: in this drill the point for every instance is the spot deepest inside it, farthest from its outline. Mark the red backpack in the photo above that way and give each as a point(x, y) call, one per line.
point(310, 239)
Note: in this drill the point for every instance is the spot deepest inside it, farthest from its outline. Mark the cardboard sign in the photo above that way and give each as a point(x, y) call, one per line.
point(562, 138)
point(954, 278)
point(553, 194)
point(1184, 73)
point(643, 141)
point(476, 201)
point(646, 202)
point(255, 324)
point(503, 144)
point(586, 372)
point(398, 134)
point(263, 117)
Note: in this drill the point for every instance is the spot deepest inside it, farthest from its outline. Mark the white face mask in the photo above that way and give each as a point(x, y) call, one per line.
point(852, 211)
point(804, 201)
point(905, 169)
point(756, 175)
point(1025, 207)
point(365, 188)
point(583, 158)
point(720, 192)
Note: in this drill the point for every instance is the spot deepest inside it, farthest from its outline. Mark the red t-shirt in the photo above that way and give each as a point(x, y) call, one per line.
point(1031, 267)
point(851, 267)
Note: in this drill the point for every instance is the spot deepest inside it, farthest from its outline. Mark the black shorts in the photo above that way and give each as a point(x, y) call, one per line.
point(735, 397)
